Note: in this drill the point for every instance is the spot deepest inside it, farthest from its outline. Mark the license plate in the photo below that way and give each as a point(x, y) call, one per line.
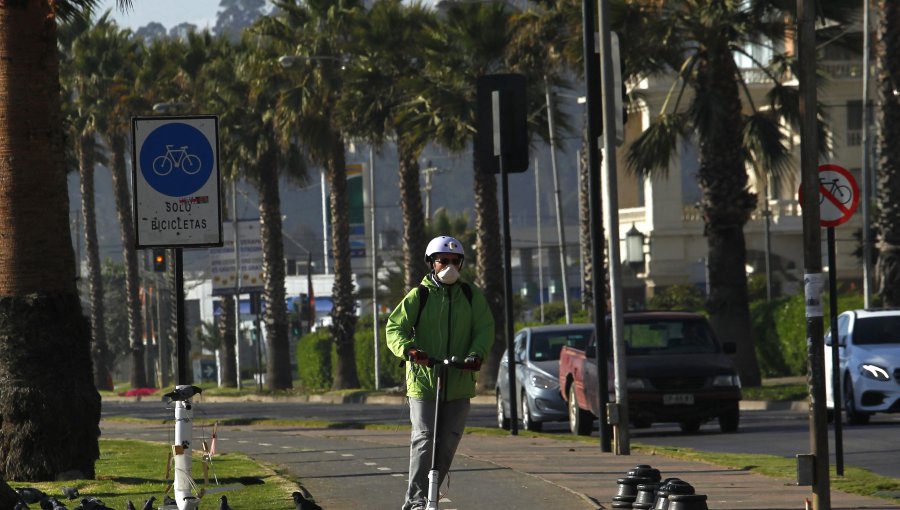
point(678, 399)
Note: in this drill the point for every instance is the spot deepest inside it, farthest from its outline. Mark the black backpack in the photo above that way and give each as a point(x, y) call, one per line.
point(423, 298)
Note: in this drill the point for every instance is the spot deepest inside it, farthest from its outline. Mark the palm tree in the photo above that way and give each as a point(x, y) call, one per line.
point(247, 100)
point(86, 119)
point(473, 38)
point(888, 188)
point(111, 54)
point(307, 111)
point(705, 36)
point(383, 78)
point(45, 353)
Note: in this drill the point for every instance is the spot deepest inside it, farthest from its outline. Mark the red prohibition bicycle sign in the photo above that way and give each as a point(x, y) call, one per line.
point(838, 195)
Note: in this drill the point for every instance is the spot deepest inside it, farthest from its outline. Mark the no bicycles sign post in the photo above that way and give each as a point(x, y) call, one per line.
point(838, 199)
point(176, 181)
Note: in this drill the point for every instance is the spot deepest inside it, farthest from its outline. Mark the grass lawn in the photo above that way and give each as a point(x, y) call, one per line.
point(135, 470)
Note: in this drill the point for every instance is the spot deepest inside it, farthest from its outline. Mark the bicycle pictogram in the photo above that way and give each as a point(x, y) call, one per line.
point(841, 193)
point(176, 158)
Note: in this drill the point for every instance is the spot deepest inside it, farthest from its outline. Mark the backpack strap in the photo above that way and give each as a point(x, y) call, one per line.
point(423, 298)
point(467, 290)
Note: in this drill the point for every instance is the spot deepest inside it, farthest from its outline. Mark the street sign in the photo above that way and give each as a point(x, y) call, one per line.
point(176, 181)
point(222, 264)
point(838, 195)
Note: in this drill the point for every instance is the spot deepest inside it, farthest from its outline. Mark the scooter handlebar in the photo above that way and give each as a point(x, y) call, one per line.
point(452, 361)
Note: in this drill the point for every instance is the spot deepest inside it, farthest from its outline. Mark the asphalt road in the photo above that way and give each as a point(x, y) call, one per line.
point(874, 446)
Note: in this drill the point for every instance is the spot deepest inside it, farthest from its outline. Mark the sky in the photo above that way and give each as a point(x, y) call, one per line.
point(168, 12)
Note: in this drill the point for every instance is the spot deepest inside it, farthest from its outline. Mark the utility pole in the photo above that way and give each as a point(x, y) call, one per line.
point(429, 172)
point(813, 279)
point(560, 233)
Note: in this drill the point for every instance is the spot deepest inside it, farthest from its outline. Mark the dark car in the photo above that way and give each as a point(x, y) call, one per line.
point(677, 371)
point(537, 374)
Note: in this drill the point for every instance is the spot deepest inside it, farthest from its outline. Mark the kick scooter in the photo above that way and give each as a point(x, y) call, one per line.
point(440, 396)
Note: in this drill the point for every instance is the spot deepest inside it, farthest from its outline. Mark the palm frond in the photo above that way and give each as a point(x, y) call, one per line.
point(651, 153)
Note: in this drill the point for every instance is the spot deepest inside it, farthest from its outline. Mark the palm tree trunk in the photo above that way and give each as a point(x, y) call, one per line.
point(49, 406)
point(343, 315)
point(129, 254)
point(278, 366)
point(489, 267)
point(86, 148)
point(413, 217)
point(888, 188)
point(726, 205)
point(584, 226)
point(226, 327)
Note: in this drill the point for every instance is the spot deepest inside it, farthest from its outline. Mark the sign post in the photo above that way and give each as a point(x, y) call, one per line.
point(838, 200)
point(176, 204)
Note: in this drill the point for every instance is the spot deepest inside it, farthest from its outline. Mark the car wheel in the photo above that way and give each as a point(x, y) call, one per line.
point(730, 419)
point(527, 422)
point(502, 419)
point(579, 420)
point(689, 426)
point(851, 414)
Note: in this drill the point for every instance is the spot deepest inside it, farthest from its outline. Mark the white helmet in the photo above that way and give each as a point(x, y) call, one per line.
point(444, 244)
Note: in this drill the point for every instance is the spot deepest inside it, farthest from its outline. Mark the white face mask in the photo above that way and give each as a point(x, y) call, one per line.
point(448, 275)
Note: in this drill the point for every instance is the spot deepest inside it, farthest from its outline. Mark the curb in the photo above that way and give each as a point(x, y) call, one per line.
point(362, 397)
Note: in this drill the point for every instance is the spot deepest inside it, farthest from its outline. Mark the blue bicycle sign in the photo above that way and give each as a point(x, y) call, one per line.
point(176, 159)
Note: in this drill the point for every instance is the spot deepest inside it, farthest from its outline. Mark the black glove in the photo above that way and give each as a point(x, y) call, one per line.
point(472, 362)
point(417, 356)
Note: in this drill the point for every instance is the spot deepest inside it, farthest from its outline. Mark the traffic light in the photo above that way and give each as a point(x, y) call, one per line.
point(159, 260)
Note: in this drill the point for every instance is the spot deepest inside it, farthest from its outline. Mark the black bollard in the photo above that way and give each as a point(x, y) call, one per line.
point(668, 487)
point(687, 502)
point(646, 496)
point(645, 471)
point(627, 493)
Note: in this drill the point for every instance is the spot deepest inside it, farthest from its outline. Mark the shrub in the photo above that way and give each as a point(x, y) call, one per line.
point(779, 331)
point(685, 297)
point(392, 372)
point(314, 354)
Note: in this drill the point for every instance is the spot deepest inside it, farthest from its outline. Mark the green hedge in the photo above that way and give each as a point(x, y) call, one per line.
point(315, 358)
point(779, 329)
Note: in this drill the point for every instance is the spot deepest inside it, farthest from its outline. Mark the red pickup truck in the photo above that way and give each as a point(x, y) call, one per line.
point(676, 372)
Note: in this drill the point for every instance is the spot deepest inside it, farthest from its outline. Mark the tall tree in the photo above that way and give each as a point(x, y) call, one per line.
point(888, 187)
point(473, 40)
point(703, 38)
point(383, 80)
point(236, 15)
point(44, 339)
point(316, 33)
point(247, 101)
point(85, 120)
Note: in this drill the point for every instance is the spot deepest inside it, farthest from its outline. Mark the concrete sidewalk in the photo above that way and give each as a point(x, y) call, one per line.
point(580, 468)
point(585, 470)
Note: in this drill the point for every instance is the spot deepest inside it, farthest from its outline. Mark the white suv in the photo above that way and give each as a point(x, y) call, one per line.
point(869, 353)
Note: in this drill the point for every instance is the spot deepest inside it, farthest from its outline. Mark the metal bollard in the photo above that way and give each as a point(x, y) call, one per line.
point(646, 496)
point(668, 487)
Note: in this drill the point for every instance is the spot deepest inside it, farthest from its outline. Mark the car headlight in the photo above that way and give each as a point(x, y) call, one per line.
point(727, 380)
point(874, 372)
point(636, 383)
point(541, 381)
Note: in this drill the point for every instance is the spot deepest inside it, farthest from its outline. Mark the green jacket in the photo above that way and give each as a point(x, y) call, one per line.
point(449, 326)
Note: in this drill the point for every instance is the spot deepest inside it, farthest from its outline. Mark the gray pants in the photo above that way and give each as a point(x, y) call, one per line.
point(451, 427)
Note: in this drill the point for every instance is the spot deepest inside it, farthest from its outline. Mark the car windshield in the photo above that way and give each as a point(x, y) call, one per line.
point(545, 346)
point(877, 330)
point(675, 336)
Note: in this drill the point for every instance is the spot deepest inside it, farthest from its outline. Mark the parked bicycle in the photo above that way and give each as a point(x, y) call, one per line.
point(176, 158)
